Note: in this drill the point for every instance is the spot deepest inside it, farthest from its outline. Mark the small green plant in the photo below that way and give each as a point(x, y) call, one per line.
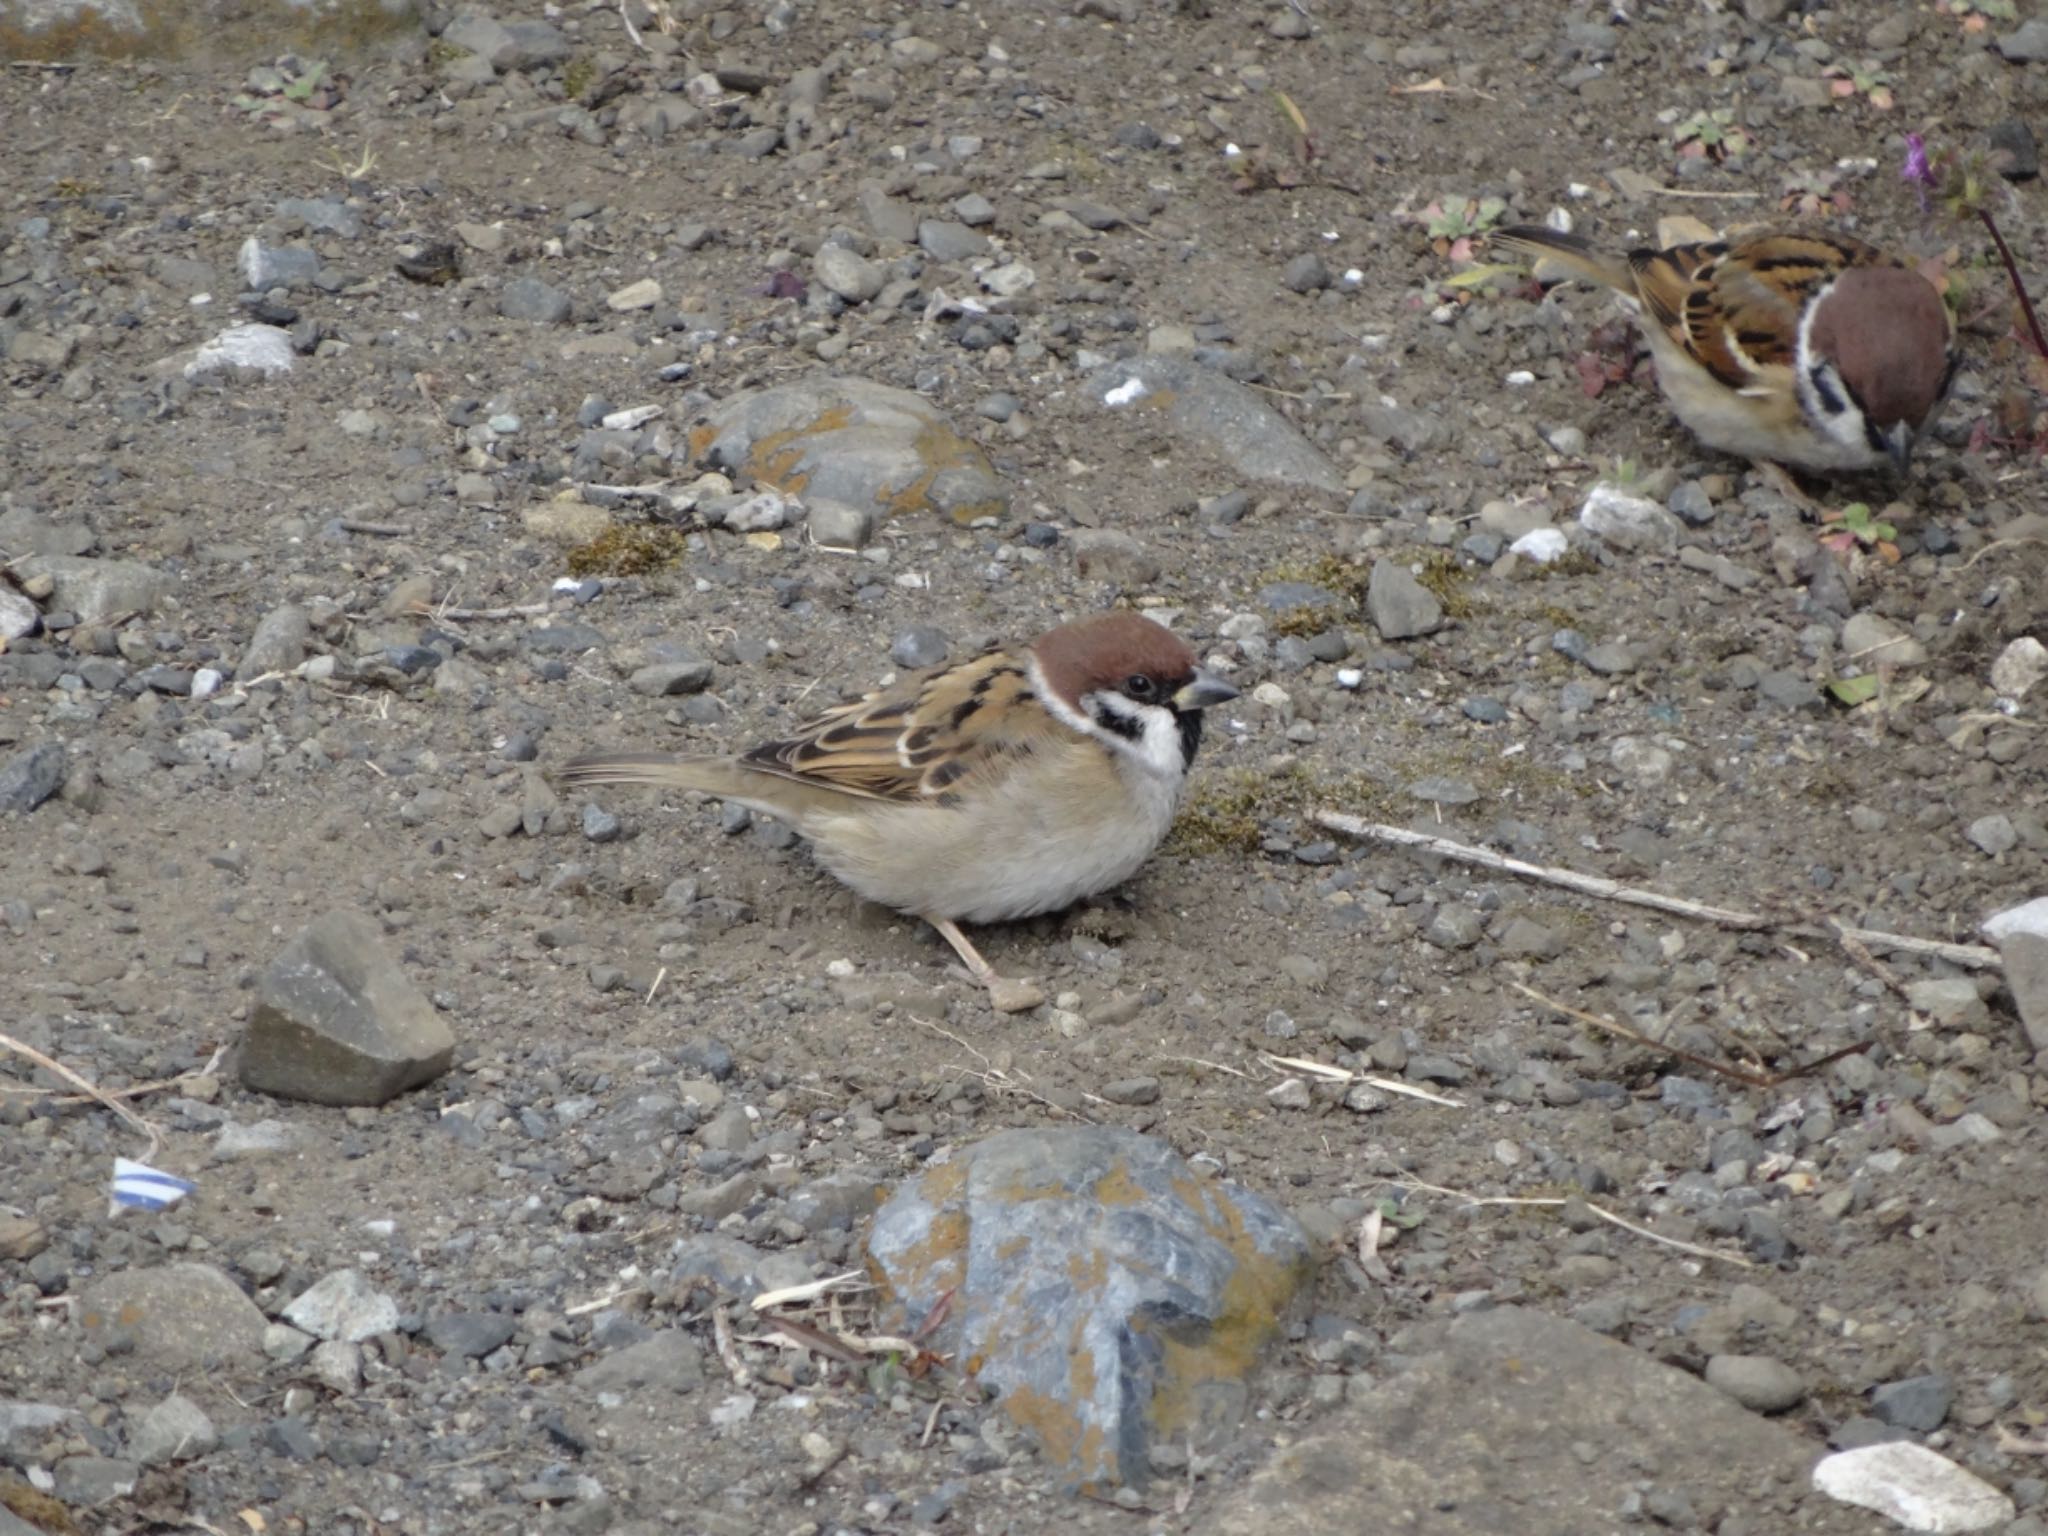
point(1863, 78)
point(1857, 527)
point(1712, 135)
point(1453, 224)
point(1814, 194)
point(578, 75)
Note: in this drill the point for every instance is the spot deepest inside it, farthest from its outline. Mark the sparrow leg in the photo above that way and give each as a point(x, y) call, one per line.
point(1778, 478)
point(1005, 994)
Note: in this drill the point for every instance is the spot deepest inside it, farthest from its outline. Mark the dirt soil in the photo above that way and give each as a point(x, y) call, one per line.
point(591, 983)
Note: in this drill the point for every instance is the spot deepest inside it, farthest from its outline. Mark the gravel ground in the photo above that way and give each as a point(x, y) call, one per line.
point(362, 605)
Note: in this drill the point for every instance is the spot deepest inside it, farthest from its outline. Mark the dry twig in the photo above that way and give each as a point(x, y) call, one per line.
point(1554, 1201)
point(1706, 1063)
point(1972, 956)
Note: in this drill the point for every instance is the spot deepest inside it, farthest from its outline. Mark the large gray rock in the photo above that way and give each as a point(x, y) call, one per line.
point(1110, 1296)
point(26, 1426)
point(99, 589)
point(278, 645)
point(852, 441)
point(1217, 415)
point(1514, 1421)
point(2021, 934)
point(337, 1022)
point(344, 1306)
point(181, 1317)
point(36, 29)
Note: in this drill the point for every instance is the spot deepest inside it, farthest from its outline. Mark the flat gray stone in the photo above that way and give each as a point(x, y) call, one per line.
point(1628, 521)
point(176, 1429)
point(670, 1360)
point(1112, 1298)
point(343, 1306)
point(336, 1021)
point(1109, 554)
point(854, 441)
point(528, 298)
point(1758, 1382)
point(1219, 416)
point(99, 589)
point(23, 532)
point(1511, 1421)
point(178, 1316)
point(62, 28)
point(667, 679)
point(25, 1426)
point(950, 240)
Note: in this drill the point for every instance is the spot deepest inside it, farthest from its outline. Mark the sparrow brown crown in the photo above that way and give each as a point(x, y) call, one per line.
point(1106, 650)
point(1886, 331)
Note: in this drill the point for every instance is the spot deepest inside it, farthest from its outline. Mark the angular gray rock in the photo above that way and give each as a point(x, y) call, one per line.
point(853, 441)
point(176, 1429)
point(336, 1021)
point(29, 778)
point(1628, 521)
point(99, 589)
point(1400, 607)
point(1219, 416)
point(1113, 1298)
point(1109, 554)
point(181, 1317)
point(1502, 1415)
point(278, 645)
point(344, 1306)
point(25, 1426)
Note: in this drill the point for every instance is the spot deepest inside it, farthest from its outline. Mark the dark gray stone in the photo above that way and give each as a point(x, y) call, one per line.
point(336, 1021)
point(1918, 1403)
point(528, 298)
point(29, 778)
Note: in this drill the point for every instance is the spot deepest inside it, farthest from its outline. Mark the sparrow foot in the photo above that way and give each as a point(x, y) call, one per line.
point(1779, 479)
point(1006, 994)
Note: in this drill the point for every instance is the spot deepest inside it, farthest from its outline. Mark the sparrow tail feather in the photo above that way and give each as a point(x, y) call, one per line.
point(1570, 252)
point(710, 775)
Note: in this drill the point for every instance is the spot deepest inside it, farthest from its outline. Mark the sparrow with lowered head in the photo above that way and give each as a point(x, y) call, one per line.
point(1815, 351)
point(1012, 783)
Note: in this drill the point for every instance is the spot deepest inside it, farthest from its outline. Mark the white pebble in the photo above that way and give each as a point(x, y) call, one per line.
point(205, 682)
point(1521, 378)
point(840, 969)
point(1542, 545)
point(1272, 695)
point(1353, 277)
point(1125, 393)
point(1349, 677)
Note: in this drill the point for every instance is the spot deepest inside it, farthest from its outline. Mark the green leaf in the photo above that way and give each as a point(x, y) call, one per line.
point(304, 86)
point(1855, 690)
point(1472, 277)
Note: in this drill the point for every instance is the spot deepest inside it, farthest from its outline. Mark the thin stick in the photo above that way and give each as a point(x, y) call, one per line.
point(459, 615)
point(98, 1095)
point(1707, 1063)
point(2019, 287)
point(1718, 197)
point(659, 977)
point(1554, 1201)
point(728, 1352)
point(1970, 956)
point(381, 530)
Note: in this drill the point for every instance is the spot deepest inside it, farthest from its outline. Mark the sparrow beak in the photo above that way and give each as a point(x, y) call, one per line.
point(1899, 444)
point(1205, 690)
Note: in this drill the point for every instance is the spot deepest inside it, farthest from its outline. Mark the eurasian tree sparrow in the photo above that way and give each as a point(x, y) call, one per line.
point(1013, 783)
point(1815, 351)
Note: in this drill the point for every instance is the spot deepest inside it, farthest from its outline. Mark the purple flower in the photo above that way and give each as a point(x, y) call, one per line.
point(1916, 171)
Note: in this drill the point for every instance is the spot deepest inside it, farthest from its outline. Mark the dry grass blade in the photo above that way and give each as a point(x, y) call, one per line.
point(1345, 1075)
point(810, 1290)
point(812, 1337)
point(96, 1094)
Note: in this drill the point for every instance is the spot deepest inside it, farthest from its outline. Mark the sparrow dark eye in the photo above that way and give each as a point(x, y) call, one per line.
point(1138, 686)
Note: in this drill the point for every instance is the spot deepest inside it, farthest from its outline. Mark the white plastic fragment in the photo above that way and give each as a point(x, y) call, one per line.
point(1124, 393)
point(137, 1186)
point(266, 348)
point(1521, 378)
point(629, 418)
point(1921, 1490)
